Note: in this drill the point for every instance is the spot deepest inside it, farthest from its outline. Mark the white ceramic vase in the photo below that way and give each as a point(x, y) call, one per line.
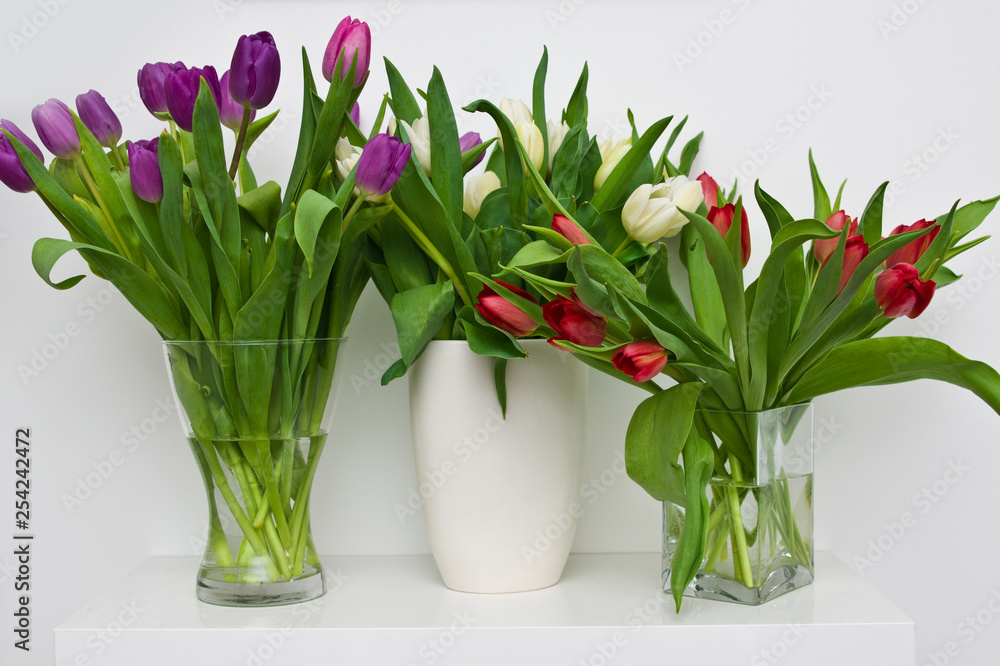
point(500, 496)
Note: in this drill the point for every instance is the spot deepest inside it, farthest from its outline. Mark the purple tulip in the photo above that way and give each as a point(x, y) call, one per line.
point(231, 113)
point(97, 115)
point(356, 114)
point(12, 171)
point(181, 91)
point(56, 128)
point(151, 79)
point(144, 170)
point(256, 69)
point(350, 37)
point(381, 163)
point(468, 141)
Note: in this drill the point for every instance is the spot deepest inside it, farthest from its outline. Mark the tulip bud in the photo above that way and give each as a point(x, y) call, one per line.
point(823, 249)
point(476, 190)
point(654, 211)
point(640, 359)
point(912, 251)
point(381, 164)
point(256, 68)
point(99, 118)
point(56, 128)
point(557, 132)
point(574, 322)
point(181, 90)
point(534, 144)
point(144, 170)
point(854, 253)
point(12, 171)
point(356, 114)
point(467, 142)
point(151, 79)
point(350, 37)
point(419, 135)
point(709, 189)
point(230, 112)
point(568, 228)
point(516, 111)
point(722, 219)
point(610, 161)
point(503, 314)
point(899, 291)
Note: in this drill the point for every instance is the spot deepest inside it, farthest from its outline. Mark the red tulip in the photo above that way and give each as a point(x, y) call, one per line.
point(722, 219)
point(641, 359)
point(854, 253)
point(710, 189)
point(503, 314)
point(568, 228)
point(912, 251)
point(574, 322)
point(899, 291)
point(823, 249)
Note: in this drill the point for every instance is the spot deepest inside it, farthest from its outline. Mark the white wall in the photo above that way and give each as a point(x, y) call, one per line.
point(874, 85)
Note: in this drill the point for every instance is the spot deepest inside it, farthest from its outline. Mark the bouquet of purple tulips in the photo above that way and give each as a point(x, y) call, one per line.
point(218, 262)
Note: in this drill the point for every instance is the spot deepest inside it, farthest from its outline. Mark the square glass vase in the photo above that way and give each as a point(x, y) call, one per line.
point(760, 530)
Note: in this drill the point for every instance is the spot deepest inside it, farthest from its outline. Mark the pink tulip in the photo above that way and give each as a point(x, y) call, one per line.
point(568, 228)
point(912, 251)
point(641, 360)
point(503, 314)
point(722, 219)
point(899, 291)
point(823, 249)
point(574, 322)
point(710, 189)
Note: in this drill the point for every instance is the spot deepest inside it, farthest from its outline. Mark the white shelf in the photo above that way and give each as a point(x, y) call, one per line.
point(394, 610)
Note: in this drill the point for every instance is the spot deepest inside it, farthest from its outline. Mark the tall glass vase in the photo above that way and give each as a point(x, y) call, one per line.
point(256, 415)
point(760, 537)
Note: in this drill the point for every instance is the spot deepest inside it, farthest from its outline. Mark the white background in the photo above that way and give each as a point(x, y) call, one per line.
point(870, 85)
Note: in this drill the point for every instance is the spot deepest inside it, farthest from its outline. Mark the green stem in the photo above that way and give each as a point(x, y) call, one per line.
point(300, 529)
point(117, 155)
point(109, 227)
point(428, 247)
point(621, 248)
point(740, 550)
point(350, 213)
point(240, 139)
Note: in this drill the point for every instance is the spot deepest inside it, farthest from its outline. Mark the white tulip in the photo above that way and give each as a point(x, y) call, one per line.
point(531, 138)
point(685, 193)
point(610, 160)
point(516, 110)
point(556, 132)
point(605, 145)
point(345, 156)
point(419, 135)
point(650, 214)
point(476, 190)
point(390, 124)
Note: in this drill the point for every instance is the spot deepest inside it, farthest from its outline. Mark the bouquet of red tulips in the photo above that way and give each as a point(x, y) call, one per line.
point(744, 355)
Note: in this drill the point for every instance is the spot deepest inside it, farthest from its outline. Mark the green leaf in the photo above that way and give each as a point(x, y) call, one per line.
point(690, 552)
point(968, 217)
point(881, 361)
point(487, 340)
point(576, 109)
point(263, 204)
point(310, 215)
point(307, 131)
point(538, 101)
point(709, 310)
point(689, 153)
point(656, 434)
point(446, 155)
point(821, 200)
point(419, 314)
point(404, 104)
point(513, 167)
point(871, 220)
point(615, 188)
point(406, 262)
point(500, 380)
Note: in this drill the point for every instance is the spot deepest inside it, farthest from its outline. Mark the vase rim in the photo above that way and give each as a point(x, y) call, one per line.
point(755, 411)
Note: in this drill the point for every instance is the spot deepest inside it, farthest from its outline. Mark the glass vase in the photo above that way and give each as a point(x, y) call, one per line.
point(256, 416)
point(760, 528)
